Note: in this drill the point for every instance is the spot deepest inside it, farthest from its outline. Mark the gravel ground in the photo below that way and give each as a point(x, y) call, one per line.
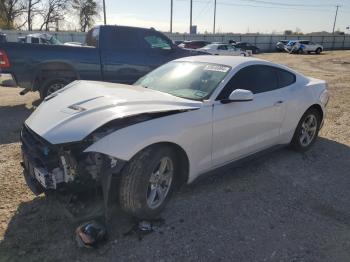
point(284, 206)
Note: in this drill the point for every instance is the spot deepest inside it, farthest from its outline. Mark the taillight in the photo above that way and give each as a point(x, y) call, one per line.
point(4, 60)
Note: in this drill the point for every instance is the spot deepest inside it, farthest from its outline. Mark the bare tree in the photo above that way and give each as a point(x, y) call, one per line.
point(87, 10)
point(53, 12)
point(31, 11)
point(10, 10)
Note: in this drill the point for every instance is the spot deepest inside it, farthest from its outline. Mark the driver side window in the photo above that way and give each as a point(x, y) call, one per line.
point(256, 78)
point(222, 47)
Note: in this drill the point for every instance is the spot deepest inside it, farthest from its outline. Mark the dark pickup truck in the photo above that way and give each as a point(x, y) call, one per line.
point(111, 53)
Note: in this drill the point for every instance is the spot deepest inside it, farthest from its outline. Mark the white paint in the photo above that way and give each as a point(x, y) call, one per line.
point(211, 135)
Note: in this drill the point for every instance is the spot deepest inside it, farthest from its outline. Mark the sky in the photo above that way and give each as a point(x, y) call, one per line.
point(237, 16)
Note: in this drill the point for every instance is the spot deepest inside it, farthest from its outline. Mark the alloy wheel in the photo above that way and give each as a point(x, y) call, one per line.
point(308, 130)
point(160, 182)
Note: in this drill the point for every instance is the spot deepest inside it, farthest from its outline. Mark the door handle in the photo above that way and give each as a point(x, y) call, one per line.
point(278, 103)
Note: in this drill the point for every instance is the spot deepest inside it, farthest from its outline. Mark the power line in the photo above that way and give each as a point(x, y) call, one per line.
point(261, 6)
point(285, 4)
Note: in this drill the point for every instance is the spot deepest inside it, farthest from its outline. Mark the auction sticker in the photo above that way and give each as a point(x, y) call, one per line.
point(217, 68)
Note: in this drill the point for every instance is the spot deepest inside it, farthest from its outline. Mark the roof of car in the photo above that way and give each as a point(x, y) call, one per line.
point(231, 61)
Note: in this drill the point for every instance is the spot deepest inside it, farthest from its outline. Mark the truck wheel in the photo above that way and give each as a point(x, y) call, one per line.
point(318, 51)
point(52, 85)
point(148, 181)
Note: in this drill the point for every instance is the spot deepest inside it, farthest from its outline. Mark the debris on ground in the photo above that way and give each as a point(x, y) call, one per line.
point(145, 227)
point(91, 234)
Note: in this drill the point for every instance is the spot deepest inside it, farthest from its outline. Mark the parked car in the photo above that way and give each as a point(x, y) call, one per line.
point(247, 46)
point(118, 54)
point(185, 118)
point(3, 38)
point(193, 44)
point(223, 49)
point(178, 42)
point(280, 45)
point(303, 46)
point(39, 38)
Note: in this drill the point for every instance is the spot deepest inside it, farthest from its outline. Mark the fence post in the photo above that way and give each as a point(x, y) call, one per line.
point(322, 41)
point(271, 44)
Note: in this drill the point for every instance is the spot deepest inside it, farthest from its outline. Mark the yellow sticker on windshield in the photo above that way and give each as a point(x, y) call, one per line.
point(217, 68)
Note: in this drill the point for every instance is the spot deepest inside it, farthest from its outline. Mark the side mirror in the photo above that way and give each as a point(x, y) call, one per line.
point(239, 95)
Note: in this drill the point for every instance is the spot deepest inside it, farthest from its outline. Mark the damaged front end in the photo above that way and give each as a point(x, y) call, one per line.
point(64, 166)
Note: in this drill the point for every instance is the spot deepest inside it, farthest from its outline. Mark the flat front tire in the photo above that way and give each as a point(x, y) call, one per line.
point(307, 130)
point(148, 181)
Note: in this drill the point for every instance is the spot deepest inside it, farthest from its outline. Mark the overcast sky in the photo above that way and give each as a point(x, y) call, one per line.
point(238, 16)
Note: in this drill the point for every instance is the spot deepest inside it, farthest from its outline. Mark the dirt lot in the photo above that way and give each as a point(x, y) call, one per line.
point(284, 206)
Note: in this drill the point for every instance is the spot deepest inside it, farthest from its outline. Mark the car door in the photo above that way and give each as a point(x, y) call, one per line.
point(306, 46)
point(242, 128)
point(122, 58)
point(312, 47)
point(222, 50)
point(233, 51)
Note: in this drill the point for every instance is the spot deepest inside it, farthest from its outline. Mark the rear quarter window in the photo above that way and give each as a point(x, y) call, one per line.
point(285, 78)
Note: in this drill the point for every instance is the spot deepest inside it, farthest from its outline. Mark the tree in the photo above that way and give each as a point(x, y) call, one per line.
point(53, 12)
point(31, 11)
point(10, 10)
point(87, 11)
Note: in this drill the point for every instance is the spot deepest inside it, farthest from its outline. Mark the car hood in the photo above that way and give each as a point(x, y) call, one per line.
point(80, 108)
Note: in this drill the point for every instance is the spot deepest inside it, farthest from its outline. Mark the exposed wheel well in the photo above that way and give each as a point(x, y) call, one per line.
point(182, 157)
point(318, 108)
point(54, 70)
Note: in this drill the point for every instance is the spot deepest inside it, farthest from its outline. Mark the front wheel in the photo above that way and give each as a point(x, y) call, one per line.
point(148, 181)
point(307, 130)
point(318, 51)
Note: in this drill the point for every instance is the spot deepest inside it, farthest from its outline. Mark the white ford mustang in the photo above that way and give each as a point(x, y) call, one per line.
point(183, 119)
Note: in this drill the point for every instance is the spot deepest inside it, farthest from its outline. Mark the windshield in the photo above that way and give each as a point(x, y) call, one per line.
point(191, 80)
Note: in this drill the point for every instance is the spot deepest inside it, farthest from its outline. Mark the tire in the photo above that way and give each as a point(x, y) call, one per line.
point(135, 187)
point(52, 85)
point(318, 51)
point(305, 136)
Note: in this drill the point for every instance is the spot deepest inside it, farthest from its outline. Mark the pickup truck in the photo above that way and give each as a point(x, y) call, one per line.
point(117, 54)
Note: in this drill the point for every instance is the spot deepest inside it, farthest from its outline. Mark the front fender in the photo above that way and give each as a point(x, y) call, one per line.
point(190, 130)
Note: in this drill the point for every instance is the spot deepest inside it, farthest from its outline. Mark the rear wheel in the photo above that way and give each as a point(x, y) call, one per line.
point(51, 86)
point(148, 181)
point(307, 130)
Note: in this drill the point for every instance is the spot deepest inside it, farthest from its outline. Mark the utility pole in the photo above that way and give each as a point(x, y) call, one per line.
point(335, 18)
point(191, 15)
point(214, 16)
point(171, 15)
point(104, 12)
